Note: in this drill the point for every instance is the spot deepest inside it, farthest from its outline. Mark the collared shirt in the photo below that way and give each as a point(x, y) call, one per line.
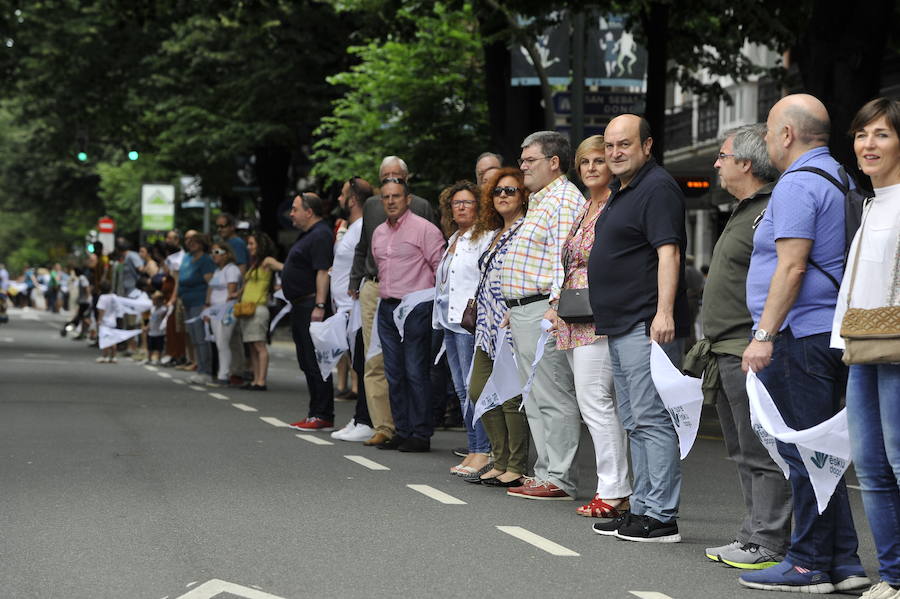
point(533, 264)
point(725, 314)
point(313, 251)
point(407, 254)
point(623, 269)
point(803, 206)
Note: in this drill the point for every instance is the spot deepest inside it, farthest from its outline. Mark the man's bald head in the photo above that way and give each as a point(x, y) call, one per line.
point(628, 142)
point(796, 124)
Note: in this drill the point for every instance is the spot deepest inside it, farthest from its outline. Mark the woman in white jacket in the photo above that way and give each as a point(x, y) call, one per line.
point(456, 281)
point(873, 390)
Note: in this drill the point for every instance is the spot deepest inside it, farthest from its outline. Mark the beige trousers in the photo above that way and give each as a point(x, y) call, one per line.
point(377, 397)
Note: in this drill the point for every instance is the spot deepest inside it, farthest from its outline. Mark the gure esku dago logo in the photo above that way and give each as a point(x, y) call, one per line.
point(819, 459)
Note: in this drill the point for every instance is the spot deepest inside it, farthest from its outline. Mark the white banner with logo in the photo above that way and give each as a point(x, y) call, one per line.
point(110, 336)
point(408, 304)
point(283, 312)
point(354, 324)
point(680, 394)
point(824, 448)
point(538, 354)
point(329, 338)
point(504, 383)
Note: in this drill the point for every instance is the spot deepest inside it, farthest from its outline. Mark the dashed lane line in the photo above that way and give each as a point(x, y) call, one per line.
point(151, 368)
point(198, 388)
point(437, 495)
point(314, 439)
point(164, 375)
point(274, 422)
point(538, 541)
point(649, 595)
point(178, 381)
point(218, 396)
point(244, 407)
point(363, 461)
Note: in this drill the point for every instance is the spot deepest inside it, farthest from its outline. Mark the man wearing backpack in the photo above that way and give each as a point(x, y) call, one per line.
point(792, 286)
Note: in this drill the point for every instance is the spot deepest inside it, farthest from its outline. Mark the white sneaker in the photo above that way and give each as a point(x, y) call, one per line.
point(882, 590)
point(101, 360)
point(360, 433)
point(339, 435)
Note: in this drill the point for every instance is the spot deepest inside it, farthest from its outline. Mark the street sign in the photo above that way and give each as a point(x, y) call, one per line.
point(106, 225)
point(106, 229)
point(157, 207)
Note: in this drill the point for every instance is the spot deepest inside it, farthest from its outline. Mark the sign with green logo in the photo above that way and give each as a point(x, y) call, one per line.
point(157, 207)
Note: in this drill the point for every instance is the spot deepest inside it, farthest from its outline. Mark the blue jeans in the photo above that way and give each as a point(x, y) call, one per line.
point(407, 368)
point(655, 456)
point(460, 350)
point(806, 379)
point(873, 412)
point(197, 332)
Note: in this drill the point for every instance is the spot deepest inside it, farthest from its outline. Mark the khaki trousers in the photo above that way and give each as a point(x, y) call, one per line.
point(377, 396)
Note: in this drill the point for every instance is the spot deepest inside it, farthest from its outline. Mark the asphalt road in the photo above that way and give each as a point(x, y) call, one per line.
point(123, 481)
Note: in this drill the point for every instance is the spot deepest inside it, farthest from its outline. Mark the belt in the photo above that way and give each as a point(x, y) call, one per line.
point(391, 300)
point(303, 298)
point(512, 303)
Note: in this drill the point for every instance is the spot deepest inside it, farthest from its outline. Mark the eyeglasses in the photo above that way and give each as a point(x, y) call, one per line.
point(222, 226)
point(393, 180)
point(510, 191)
point(462, 203)
point(530, 161)
point(219, 252)
point(723, 155)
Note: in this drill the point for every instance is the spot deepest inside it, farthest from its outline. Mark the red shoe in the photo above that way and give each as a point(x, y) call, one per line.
point(314, 424)
point(535, 489)
point(597, 508)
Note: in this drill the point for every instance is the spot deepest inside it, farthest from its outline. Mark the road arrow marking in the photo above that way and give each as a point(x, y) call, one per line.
point(538, 541)
point(437, 495)
point(244, 407)
point(215, 587)
point(314, 440)
point(371, 465)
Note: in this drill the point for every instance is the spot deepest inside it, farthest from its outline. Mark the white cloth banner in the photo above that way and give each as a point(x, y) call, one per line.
point(680, 394)
point(165, 320)
point(824, 448)
point(110, 336)
point(214, 312)
point(138, 306)
point(538, 354)
point(354, 324)
point(329, 338)
point(408, 304)
point(283, 312)
point(504, 383)
point(374, 339)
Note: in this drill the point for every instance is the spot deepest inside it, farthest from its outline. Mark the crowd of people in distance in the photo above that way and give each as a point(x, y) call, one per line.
point(525, 280)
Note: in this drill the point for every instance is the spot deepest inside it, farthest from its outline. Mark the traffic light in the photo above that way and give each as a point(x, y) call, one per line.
point(82, 156)
point(133, 155)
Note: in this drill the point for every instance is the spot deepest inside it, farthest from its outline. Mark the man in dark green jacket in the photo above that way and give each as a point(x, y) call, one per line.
point(746, 173)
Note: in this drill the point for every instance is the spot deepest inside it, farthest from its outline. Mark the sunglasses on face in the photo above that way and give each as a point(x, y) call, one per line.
point(219, 252)
point(510, 191)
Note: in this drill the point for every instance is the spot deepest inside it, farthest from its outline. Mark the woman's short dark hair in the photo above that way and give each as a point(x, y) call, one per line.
point(886, 107)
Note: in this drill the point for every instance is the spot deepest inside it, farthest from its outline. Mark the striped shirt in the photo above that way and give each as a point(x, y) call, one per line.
point(533, 264)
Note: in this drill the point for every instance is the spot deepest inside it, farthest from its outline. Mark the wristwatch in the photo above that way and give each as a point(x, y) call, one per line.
point(322, 306)
point(762, 335)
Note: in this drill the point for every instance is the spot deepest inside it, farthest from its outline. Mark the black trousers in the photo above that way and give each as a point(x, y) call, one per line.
point(321, 393)
point(359, 361)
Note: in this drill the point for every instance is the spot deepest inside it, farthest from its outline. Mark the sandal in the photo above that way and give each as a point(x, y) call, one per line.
point(597, 508)
point(460, 470)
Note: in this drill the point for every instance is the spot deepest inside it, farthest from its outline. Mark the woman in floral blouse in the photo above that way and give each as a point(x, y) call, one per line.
point(588, 353)
point(503, 204)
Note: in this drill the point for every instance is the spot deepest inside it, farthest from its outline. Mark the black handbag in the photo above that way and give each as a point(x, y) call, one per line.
point(574, 304)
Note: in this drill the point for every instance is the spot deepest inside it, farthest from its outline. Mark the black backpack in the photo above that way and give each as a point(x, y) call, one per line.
point(854, 202)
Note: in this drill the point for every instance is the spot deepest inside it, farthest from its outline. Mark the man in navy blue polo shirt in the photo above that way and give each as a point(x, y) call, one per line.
point(637, 292)
point(305, 282)
point(798, 248)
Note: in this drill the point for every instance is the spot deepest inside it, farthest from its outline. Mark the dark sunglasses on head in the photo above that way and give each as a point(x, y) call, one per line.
point(510, 191)
point(393, 180)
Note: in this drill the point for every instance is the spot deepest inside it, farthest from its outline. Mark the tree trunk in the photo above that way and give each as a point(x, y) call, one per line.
point(842, 67)
point(271, 170)
point(656, 28)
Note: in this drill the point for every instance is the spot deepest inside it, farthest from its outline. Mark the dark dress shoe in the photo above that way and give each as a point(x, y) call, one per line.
point(513, 483)
point(415, 445)
point(393, 443)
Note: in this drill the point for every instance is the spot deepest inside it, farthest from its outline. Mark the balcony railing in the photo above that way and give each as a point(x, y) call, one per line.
point(681, 130)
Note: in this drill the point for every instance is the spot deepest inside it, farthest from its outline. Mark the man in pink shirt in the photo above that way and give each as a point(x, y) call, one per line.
point(407, 249)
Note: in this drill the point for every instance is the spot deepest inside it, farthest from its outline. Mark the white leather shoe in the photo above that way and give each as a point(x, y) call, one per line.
point(339, 435)
point(360, 433)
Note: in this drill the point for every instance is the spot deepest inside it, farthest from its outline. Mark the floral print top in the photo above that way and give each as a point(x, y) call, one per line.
point(578, 249)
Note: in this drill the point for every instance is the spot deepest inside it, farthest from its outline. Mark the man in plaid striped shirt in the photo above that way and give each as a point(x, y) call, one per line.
point(530, 279)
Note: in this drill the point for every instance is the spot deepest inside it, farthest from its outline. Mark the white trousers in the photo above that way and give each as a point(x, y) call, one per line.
point(595, 392)
point(222, 333)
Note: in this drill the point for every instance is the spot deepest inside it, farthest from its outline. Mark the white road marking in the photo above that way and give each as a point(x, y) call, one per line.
point(314, 440)
point(178, 381)
point(8, 339)
point(151, 368)
point(164, 375)
point(41, 355)
point(218, 396)
point(190, 584)
point(244, 407)
point(371, 465)
point(649, 595)
point(215, 587)
point(538, 541)
point(437, 495)
point(274, 422)
point(198, 388)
